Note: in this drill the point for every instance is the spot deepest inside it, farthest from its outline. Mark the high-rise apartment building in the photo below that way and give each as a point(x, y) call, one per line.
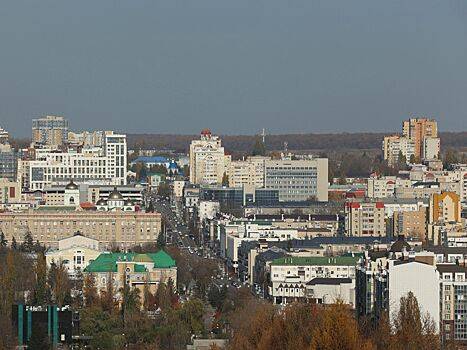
point(418, 129)
point(208, 161)
point(395, 145)
point(419, 139)
point(50, 131)
point(298, 180)
point(365, 219)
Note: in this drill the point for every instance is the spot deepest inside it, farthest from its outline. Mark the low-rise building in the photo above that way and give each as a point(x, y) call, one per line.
point(49, 225)
point(133, 270)
point(75, 253)
point(322, 279)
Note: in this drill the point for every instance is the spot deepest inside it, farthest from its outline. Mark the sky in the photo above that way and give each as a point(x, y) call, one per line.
point(235, 66)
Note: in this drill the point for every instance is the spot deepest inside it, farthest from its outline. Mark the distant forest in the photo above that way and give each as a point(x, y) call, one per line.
point(302, 142)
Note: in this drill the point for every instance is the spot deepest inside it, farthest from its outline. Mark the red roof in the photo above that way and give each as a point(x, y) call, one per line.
point(206, 132)
point(379, 205)
point(353, 205)
point(86, 205)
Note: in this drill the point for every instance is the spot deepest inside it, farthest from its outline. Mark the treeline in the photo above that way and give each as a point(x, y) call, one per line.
point(262, 326)
point(244, 143)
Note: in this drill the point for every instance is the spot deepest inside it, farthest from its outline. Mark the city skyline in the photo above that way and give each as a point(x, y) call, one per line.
point(235, 67)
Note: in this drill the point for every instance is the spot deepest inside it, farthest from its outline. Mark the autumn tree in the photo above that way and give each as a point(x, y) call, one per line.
point(108, 295)
point(41, 292)
point(337, 329)
point(59, 283)
point(414, 330)
point(90, 290)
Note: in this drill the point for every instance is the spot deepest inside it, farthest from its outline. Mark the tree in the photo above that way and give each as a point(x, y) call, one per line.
point(41, 293)
point(14, 245)
point(161, 240)
point(59, 283)
point(259, 148)
point(164, 189)
point(90, 290)
point(28, 243)
point(108, 295)
point(337, 329)
point(412, 329)
point(150, 208)
point(3, 241)
point(225, 180)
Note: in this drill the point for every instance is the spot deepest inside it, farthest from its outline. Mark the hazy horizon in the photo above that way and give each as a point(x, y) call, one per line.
point(176, 67)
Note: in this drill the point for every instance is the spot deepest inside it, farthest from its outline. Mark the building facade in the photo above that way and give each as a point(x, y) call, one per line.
point(50, 130)
point(208, 161)
point(124, 229)
point(298, 180)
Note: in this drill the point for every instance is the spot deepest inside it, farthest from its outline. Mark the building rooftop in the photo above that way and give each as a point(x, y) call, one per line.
point(107, 262)
point(317, 260)
point(323, 280)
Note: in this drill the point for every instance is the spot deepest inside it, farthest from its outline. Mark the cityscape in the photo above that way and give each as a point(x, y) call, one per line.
point(107, 245)
point(233, 175)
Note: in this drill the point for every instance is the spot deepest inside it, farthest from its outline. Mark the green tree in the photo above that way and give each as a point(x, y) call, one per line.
point(259, 148)
point(28, 243)
point(225, 180)
point(14, 244)
point(161, 240)
point(3, 241)
point(150, 208)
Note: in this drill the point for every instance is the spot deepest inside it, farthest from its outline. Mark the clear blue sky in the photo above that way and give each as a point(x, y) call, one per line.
point(177, 66)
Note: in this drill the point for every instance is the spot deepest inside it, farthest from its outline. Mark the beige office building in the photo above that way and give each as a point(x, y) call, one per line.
point(121, 228)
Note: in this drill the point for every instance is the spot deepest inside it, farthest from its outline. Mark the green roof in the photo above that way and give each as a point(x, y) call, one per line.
point(317, 260)
point(107, 262)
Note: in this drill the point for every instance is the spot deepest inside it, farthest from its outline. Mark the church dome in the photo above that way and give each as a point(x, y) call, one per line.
point(115, 195)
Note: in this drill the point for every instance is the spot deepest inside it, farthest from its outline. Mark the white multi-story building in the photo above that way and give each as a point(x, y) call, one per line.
point(108, 164)
point(430, 148)
point(298, 180)
point(323, 279)
point(208, 161)
point(395, 145)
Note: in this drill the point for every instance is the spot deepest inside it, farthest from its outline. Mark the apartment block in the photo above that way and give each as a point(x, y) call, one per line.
point(320, 279)
point(50, 131)
point(365, 219)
